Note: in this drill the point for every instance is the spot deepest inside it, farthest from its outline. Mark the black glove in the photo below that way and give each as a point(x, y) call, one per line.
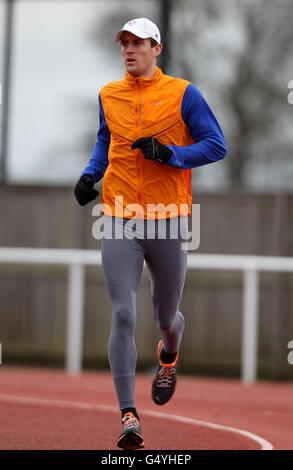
point(152, 149)
point(84, 191)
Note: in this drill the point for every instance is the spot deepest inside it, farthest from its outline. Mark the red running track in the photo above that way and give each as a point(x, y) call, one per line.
point(48, 409)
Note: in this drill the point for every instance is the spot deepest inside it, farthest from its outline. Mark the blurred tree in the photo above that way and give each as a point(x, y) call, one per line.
point(258, 95)
point(247, 68)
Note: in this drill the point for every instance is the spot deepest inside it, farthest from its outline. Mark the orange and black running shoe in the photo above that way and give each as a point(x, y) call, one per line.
point(164, 382)
point(130, 437)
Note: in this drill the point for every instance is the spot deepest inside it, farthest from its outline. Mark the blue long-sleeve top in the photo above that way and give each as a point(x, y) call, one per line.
point(209, 141)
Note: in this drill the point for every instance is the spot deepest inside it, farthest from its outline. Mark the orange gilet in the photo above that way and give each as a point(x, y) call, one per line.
point(133, 186)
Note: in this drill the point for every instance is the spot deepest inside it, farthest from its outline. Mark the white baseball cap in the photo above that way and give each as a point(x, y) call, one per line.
point(142, 28)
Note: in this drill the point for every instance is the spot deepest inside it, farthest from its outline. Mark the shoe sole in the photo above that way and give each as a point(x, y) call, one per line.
point(130, 441)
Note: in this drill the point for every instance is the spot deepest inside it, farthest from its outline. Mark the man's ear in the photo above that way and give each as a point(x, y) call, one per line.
point(157, 50)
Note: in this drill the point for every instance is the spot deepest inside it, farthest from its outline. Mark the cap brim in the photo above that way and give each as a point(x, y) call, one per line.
point(134, 31)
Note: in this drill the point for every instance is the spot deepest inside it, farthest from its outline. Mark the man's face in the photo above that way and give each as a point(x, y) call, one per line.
point(138, 55)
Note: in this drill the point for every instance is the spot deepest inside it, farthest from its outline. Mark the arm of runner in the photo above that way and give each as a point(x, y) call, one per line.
point(210, 144)
point(99, 159)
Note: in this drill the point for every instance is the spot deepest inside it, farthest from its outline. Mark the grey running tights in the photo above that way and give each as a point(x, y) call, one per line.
point(123, 256)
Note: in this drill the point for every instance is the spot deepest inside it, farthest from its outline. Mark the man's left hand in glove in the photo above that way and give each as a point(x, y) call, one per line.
point(152, 149)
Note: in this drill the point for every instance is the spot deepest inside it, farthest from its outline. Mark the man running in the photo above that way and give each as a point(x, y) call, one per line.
point(154, 129)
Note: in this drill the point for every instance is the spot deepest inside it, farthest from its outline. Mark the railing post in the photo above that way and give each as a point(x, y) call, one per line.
point(249, 326)
point(74, 323)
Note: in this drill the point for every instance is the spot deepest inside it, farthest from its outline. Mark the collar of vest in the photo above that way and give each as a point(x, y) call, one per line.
point(144, 81)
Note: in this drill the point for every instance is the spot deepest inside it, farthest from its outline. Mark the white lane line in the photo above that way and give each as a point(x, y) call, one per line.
point(264, 444)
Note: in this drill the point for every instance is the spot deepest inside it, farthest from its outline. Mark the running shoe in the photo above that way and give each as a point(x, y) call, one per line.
point(130, 437)
point(164, 382)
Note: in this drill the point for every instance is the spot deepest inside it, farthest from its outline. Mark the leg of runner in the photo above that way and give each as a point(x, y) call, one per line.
point(122, 261)
point(167, 263)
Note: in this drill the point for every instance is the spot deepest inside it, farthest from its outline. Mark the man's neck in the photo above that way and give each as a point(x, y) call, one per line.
point(148, 74)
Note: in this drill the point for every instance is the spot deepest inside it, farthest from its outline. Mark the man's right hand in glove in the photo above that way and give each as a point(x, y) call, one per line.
point(84, 191)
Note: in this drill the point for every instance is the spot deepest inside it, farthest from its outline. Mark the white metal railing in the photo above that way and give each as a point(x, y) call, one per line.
point(76, 260)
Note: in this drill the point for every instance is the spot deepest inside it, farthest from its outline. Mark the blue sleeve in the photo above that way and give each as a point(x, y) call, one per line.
point(99, 159)
point(209, 141)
